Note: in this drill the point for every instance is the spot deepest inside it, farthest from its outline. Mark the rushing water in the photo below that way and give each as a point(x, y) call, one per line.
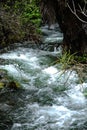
point(50, 99)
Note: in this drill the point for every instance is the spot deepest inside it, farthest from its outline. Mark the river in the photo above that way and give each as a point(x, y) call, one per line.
point(49, 99)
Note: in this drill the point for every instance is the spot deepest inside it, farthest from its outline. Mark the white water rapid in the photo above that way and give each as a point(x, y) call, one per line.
point(50, 99)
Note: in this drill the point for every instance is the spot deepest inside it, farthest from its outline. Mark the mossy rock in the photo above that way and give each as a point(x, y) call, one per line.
point(10, 85)
point(3, 78)
point(13, 85)
point(2, 85)
point(6, 82)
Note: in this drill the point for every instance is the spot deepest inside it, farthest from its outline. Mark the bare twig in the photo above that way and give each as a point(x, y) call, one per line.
point(75, 13)
point(74, 6)
point(82, 11)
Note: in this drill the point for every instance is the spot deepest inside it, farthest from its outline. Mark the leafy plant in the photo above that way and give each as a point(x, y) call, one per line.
point(31, 14)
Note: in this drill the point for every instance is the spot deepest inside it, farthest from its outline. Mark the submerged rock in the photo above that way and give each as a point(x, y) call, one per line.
point(1, 84)
point(5, 121)
point(5, 81)
point(3, 78)
point(13, 85)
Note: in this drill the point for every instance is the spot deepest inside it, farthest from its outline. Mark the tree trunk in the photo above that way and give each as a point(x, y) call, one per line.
point(73, 28)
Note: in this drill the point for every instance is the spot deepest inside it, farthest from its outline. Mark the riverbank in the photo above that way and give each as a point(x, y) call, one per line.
point(18, 25)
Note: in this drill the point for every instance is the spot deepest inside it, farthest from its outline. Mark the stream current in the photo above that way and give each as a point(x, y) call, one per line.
point(50, 99)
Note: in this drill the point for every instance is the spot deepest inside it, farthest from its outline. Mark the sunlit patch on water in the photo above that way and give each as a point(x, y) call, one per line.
point(51, 70)
point(12, 69)
point(58, 76)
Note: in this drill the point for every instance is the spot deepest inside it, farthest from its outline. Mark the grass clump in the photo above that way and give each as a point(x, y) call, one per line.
point(69, 60)
point(66, 60)
point(72, 62)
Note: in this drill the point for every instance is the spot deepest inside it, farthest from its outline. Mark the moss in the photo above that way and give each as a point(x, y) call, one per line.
point(1, 85)
point(7, 82)
point(13, 85)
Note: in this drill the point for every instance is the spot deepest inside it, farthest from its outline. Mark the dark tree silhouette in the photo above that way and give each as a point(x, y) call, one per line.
point(72, 18)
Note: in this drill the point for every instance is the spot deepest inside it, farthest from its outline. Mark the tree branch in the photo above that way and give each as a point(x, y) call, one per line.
point(73, 11)
point(82, 11)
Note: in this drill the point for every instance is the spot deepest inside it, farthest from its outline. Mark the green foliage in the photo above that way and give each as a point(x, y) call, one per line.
point(31, 14)
point(66, 59)
point(74, 62)
point(81, 59)
point(28, 10)
point(19, 20)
